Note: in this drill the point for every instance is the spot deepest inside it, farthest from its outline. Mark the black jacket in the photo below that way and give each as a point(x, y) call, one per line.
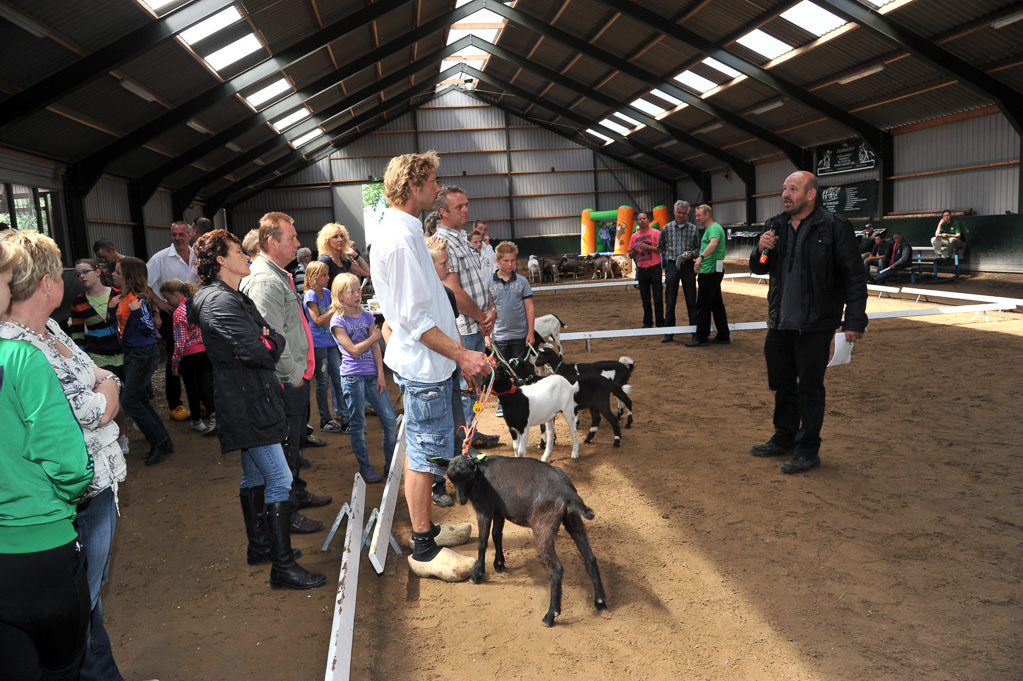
point(250, 400)
point(833, 274)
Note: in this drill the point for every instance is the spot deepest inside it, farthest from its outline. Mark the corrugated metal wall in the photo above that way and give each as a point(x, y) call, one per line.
point(770, 177)
point(973, 142)
point(157, 212)
point(106, 210)
point(728, 186)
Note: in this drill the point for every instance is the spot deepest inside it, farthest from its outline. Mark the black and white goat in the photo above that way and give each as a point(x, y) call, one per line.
point(549, 327)
point(617, 372)
point(534, 405)
point(530, 494)
point(594, 395)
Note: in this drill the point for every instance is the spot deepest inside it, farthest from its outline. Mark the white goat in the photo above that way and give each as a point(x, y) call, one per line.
point(549, 326)
point(534, 269)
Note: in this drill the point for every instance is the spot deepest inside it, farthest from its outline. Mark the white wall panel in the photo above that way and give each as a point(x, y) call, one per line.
point(462, 140)
point(20, 170)
point(987, 139)
point(472, 163)
point(771, 176)
point(108, 200)
point(553, 183)
point(544, 227)
point(472, 116)
point(559, 159)
point(119, 234)
point(987, 192)
point(488, 185)
point(317, 172)
point(157, 210)
point(730, 213)
point(355, 169)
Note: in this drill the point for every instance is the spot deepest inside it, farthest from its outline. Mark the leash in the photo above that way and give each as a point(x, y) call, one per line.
point(477, 408)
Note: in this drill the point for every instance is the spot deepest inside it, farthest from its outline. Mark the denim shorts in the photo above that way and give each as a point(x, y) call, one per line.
point(428, 424)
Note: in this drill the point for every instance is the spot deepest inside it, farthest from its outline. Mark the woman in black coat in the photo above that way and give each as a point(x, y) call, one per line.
point(250, 403)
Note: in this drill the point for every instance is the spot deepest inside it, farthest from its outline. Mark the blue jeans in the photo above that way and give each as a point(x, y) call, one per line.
point(328, 376)
point(137, 395)
point(358, 390)
point(472, 341)
point(428, 423)
point(267, 465)
point(95, 523)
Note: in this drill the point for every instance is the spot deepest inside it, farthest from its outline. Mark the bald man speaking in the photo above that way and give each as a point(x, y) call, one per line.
point(816, 272)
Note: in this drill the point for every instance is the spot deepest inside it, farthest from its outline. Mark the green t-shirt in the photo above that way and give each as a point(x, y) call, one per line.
point(99, 303)
point(954, 227)
point(710, 264)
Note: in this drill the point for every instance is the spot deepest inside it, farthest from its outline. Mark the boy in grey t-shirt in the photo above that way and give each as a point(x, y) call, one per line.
point(513, 298)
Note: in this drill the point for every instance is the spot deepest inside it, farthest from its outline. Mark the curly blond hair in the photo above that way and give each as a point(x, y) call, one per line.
point(323, 239)
point(414, 168)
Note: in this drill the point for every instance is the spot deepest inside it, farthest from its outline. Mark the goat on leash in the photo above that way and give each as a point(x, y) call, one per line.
point(617, 372)
point(549, 327)
point(536, 404)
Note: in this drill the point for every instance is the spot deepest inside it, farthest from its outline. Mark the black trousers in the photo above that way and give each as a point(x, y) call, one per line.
point(196, 372)
point(296, 410)
point(649, 281)
point(673, 276)
point(172, 382)
point(796, 363)
point(709, 302)
point(44, 614)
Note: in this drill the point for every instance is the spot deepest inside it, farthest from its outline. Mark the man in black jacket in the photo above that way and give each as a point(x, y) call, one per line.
point(816, 270)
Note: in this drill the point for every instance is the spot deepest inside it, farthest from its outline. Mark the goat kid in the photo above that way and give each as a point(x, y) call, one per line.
point(549, 327)
point(536, 404)
point(530, 494)
point(617, 372)
point(534, 269)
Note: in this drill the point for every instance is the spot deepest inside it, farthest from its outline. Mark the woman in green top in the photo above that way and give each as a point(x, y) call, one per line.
point(45, 471)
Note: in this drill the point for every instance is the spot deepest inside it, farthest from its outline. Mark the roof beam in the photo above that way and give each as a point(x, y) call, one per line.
point(1009, 101)
point(187, 193)
point(871, 135)
point(93, 166)
point(221, 197)
point(106, 59)
point(700, 177)
point(741, 167)
point(799, 156)
point(151, 181)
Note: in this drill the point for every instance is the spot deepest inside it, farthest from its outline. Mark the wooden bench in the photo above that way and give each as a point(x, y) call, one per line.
point(926, 261)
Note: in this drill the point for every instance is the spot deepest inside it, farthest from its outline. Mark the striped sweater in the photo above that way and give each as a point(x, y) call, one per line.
point(95, 334)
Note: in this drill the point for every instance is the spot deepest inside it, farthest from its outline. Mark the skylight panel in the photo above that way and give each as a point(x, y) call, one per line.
point(488, 34)
point(598, 134)
point(233, 52)
point(666, 97)
point(617, 127)
point(211, 25)
point(812, 18)
point(157, 4)
point(628, 119)
point(695, 81)
point(647, 107)
point(723, 68)
point(268, 93)
point(306, 138)
point(878, 3)
point(764, 44)
point(290, 119)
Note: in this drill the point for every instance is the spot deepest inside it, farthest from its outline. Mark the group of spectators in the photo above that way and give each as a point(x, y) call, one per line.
point(888, 257)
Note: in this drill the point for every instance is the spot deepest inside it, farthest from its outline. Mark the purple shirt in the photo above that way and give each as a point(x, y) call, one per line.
point(358, 330)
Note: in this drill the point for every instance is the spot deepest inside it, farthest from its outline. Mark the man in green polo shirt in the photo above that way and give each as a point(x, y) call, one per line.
point(710, 269)
point(948, 237)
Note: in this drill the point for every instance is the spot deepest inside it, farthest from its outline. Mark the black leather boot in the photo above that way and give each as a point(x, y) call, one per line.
point(286, 573)
point(255, 526)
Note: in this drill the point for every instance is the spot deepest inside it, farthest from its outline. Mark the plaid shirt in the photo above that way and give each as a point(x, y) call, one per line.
point(187, 337)
point(677, 239)
point(466, 262)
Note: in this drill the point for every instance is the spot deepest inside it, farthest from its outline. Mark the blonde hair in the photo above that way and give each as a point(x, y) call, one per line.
point(323, 238)
point(437, 245)
point(346, 281)
point(250, 244)
point(314, 271)
point(185, 288)
point(704, 208)
point(270, 226)
point(41, 256)
point(402, 170)
point(506, 247)
point(10, 255)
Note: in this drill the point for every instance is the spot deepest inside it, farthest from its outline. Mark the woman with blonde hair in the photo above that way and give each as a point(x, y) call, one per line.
point(316, 303)
point(93, 394)
point(137, 321)
point(189, 360)
point(338, 252)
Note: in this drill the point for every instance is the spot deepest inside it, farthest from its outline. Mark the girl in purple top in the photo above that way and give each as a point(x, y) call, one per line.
point(316, 301)
point(362, 371)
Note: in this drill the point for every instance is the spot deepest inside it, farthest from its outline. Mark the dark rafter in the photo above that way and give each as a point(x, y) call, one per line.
point(799, 157)
point(871, 135)
point(106, 59)
point(1008, 100)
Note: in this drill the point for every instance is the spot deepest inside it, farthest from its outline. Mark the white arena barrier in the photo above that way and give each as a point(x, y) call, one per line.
point(382, 532)
point(339, 653)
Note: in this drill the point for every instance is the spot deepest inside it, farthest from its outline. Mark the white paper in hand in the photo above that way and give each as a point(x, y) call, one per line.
point(843, 350)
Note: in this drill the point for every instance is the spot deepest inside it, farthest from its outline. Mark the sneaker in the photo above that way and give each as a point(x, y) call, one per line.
point(122, 442)
point(370, 475)
point(331, 426)
point(500, 410)
point(442, 499)
point(667, 338)
point(199, 427)
point(697, 343)
point(770, 449)
point(313, 441)
point(213, 425)
point(798, 464)
point(303, 525)
point(180, 413)
point(346, 428)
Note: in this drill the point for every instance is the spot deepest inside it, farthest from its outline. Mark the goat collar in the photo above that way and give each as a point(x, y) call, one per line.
point(514, 388)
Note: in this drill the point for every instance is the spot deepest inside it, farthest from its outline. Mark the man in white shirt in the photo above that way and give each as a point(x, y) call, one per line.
point(174, 262)
point(487, 254)
point(422, 351)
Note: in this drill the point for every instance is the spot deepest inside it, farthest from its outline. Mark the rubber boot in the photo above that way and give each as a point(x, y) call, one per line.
point(255, 526)
point(286, 573)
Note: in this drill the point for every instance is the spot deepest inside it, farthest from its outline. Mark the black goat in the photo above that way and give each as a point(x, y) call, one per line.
point(617, 372)
point(530, 494)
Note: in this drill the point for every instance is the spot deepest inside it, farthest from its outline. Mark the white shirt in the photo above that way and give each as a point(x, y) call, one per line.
point(167, 264)
point(489, 260)
point(412, 299)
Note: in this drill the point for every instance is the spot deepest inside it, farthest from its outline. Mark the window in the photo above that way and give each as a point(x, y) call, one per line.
point(233, 52)
point(695, 81)
point(723, 68)
point(764, 44)
point(268, 93)
point(812, 18)
point(285, 122)
point(306, 138)
point(211, 25)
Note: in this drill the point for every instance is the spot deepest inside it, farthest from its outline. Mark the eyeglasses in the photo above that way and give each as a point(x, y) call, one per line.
point(82, 273)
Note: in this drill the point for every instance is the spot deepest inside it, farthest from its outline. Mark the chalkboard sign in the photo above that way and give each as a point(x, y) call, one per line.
point(844, 158)
point(858, 199)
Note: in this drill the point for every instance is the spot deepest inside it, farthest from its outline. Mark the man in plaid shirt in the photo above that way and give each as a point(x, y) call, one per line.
point(679, 243)
point(472, 295)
